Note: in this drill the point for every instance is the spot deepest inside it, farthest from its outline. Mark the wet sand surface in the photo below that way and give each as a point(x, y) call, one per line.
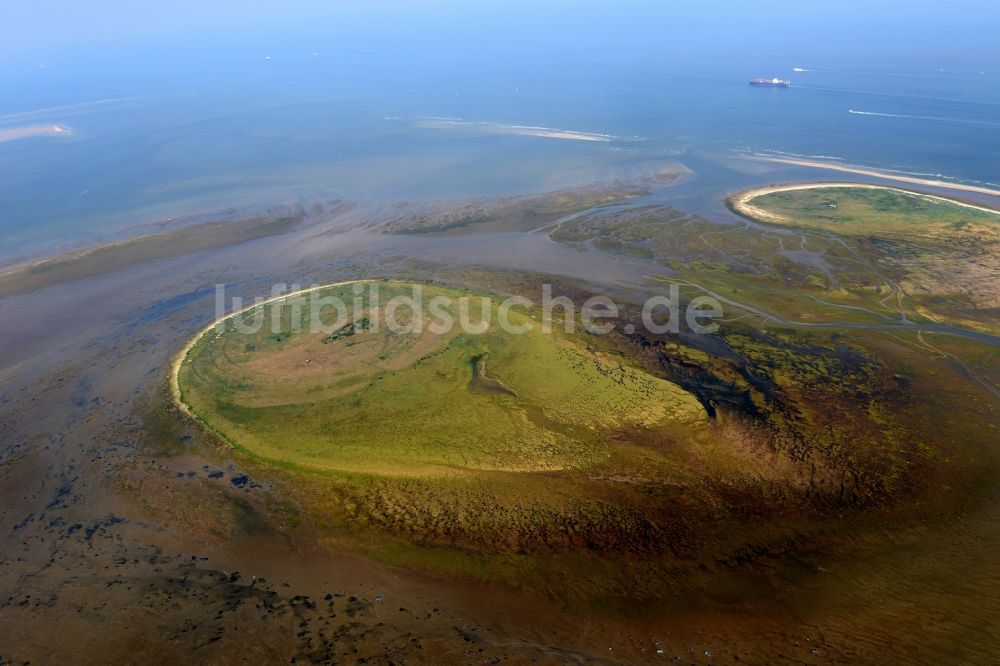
point(113, 551)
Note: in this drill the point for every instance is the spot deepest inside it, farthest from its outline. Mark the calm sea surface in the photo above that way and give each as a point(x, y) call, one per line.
point(160, 134)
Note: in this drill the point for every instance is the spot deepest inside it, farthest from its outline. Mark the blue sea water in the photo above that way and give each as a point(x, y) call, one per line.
point(166, 129)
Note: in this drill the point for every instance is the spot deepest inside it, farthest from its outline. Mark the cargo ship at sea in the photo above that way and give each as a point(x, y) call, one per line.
point(774, 83)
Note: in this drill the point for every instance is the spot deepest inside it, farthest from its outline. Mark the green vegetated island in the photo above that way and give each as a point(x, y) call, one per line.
point(595, 467)
point(923, 256)
point(362, 398)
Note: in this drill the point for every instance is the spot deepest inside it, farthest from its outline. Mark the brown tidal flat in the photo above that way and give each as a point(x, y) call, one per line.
point(113, 257)
point(129, 534)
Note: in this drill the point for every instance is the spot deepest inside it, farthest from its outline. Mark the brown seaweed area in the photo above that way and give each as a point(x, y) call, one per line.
point(807, 430)
point(845, 491)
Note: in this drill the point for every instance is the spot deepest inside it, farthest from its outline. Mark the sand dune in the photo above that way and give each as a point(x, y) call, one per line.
point(481, 127)
point(15, 133)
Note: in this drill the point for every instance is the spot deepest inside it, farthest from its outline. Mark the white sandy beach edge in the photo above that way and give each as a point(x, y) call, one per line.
point(175, 366)
point(742, 202)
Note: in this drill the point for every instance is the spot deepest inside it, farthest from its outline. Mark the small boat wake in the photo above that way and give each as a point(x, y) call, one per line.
point(940, 119)
point(65, 108)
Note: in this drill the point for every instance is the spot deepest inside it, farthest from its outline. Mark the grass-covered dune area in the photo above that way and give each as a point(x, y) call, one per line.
point(943, 255)
point(364, 398)
point(457, 451)
point(588, 467)
point(870, 370)
point(821, 253)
